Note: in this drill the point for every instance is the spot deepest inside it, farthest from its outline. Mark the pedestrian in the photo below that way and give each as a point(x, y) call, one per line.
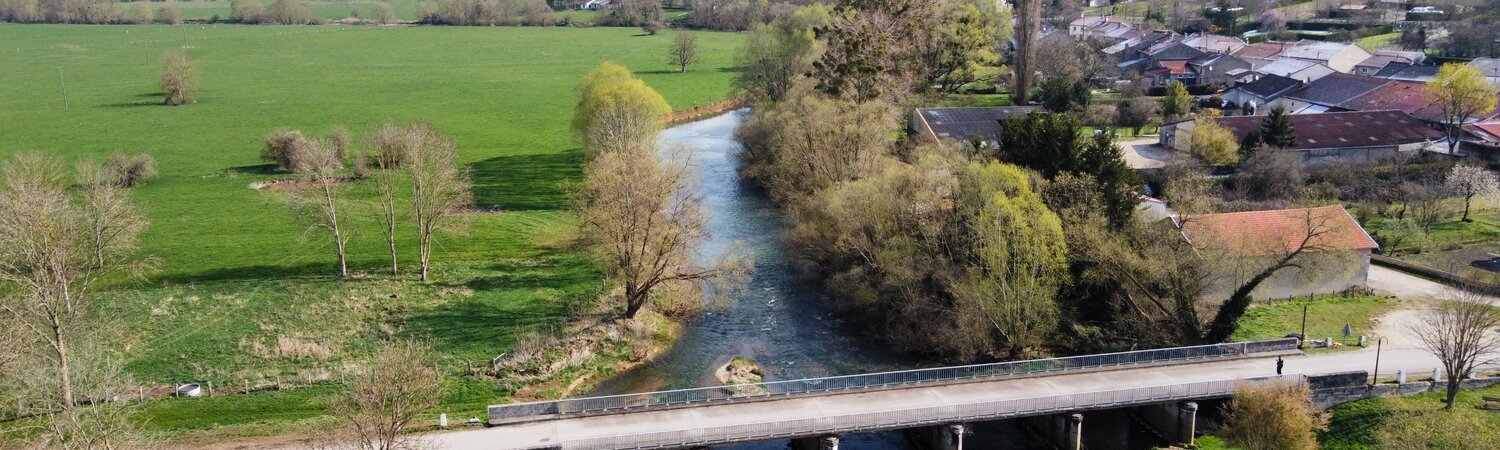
point(1279, 364)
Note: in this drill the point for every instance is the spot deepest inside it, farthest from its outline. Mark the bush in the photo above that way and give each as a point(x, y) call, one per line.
point(284, 148)
point(129, 171)
point(246, 11)
point(179, 78)
point(289, 12)
point(536, 13)
point(383, 13)
point(632, 13)
point(1273, 416)
point(167, 14)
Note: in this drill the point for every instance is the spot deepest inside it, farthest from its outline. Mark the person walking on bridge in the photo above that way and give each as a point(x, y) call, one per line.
point(1279, 364)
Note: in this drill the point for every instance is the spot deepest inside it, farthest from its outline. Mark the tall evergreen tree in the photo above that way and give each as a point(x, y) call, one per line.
point(1277, 130)
point(1178, 101)
point(1051, 145)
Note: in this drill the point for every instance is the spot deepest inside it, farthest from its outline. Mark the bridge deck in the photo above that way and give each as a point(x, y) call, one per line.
point(887, 409)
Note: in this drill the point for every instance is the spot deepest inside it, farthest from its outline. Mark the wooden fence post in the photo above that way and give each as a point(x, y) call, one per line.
point(210, 389)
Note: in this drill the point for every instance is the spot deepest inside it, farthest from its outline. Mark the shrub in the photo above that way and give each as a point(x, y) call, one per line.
point(246, 11)
point(1274, 416)
point(284, 148)
point(179, 78)
point(289, 12)
point(384, 14)
point(536, 13)
point(167, 14)
point(140, 12)
point(129, 171)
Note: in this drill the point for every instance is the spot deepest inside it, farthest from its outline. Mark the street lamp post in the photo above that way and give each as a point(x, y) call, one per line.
point(1376, 378)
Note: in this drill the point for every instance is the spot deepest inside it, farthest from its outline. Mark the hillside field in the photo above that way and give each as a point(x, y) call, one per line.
point(236, 283)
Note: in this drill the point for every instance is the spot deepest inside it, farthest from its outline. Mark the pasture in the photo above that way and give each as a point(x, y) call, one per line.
point(238, 294)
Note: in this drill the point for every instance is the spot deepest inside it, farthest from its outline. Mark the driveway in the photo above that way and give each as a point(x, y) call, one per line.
point(1145, 153)
point(1384, 280)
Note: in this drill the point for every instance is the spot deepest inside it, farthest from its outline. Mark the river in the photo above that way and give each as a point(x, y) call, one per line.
point(783, 321)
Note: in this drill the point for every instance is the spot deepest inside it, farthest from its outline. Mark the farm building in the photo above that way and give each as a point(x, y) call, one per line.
point(962, 124)
point(1339, 137)
point(1334, 250)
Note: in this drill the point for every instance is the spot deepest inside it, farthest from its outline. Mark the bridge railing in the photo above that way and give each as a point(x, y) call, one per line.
point(886, 379)
point(932, 415)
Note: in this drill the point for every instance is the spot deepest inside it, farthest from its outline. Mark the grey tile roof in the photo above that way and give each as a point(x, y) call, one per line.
point(1337, 88)
point(963, 124)
point(1270, 87)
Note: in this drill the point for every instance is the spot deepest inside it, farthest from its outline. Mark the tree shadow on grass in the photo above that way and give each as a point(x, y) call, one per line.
point(509, 301)
point(251, 272)
point(526, 182)
point(258, 169)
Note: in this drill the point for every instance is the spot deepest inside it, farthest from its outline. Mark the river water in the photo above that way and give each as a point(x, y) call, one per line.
point(784, 322)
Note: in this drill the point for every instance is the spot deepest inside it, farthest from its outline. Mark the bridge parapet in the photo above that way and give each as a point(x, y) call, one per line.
point(927, 416)
point(521, 411)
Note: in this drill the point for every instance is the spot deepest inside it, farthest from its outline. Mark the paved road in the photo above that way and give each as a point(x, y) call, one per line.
point(560, 431)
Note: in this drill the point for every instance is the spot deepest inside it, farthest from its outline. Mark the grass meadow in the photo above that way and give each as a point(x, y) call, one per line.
point(341, 9)
point(238, 294)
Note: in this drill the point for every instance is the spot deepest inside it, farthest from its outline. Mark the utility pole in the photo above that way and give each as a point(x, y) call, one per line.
point(1375, 379)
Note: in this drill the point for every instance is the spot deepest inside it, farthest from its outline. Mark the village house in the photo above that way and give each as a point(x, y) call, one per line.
point(1296, 69)
point(1254, 96)
point(1106, 30)
point(964, 125)
point(1262, 53)
point(1329, 138)
point(1339, 56)
point(1332, 250)
point(1328, 93)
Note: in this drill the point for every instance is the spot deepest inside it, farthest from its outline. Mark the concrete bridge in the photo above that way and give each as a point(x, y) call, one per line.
point(1158, 387)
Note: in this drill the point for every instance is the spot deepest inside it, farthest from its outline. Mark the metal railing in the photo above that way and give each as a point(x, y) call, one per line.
point(885, 379)
point(914, 417)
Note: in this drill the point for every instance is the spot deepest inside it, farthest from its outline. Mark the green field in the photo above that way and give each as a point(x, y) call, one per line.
point(336, 10)
point(234, 274)
point(1326, 317)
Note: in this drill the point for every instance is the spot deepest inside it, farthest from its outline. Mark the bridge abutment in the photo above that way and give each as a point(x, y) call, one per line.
point(826, 442)
point(1177, 422)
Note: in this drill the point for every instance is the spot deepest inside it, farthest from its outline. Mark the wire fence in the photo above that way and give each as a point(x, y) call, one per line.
point(885, 379)
point(914, 417)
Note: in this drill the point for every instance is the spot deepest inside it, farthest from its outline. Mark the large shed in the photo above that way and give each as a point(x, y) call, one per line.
point(1324, 138)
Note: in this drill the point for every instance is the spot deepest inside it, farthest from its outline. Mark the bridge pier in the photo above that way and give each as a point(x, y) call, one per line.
point(827, 442)
point(1177, 422)
point(1062, 431)
point(938, 437)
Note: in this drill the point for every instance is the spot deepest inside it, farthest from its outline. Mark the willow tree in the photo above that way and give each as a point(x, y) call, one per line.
point(1018, 260)
point(1461, 92)
point(618, 112)
point(179, 78)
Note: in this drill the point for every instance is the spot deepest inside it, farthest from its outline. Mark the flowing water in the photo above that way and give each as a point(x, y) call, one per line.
point(784, 322)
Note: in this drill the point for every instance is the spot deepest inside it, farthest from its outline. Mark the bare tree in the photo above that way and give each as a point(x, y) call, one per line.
point(1463, 332)
point(641, 220)
point(440, 188)
point(1469, 181)
point(113, 222)
point(684, 51)
point(179, 78)
point(283, 147)
point(317, 206)
point(384, 163)
point(100, 420)
point(384, 14)
point(385, 399)
point(47, 262)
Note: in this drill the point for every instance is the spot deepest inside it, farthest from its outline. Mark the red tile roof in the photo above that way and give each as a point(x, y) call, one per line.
point(1260, 233)
point(1405, 96)
point(1263, 50)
